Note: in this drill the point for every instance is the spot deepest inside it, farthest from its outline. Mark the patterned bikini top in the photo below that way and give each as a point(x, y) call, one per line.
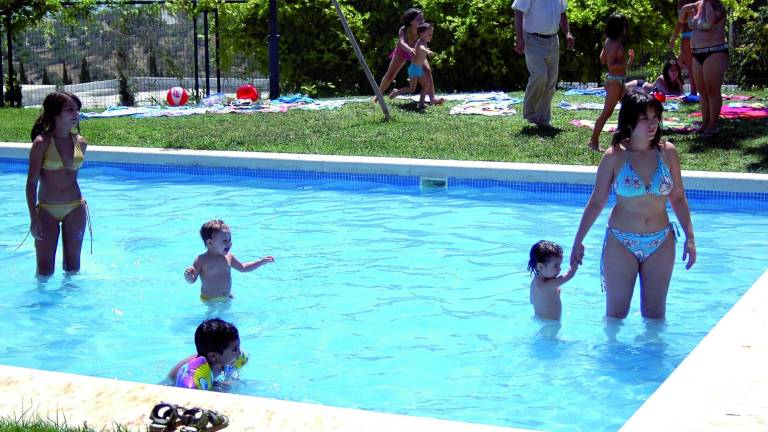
point(629, 184)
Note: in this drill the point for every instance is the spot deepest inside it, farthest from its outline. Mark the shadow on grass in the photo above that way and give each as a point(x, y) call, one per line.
point(543, 131)
point(732, 136)
point(761, 152)
point(411, 106)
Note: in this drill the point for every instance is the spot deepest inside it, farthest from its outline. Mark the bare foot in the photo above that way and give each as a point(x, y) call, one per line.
point(702, 127)
point(438, 101)
point(709, 133)
point(595, 146)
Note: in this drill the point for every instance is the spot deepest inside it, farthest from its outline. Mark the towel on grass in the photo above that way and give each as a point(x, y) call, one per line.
point(597, 91)
point(487, 108)
point(281, 105)
point(484, 108)
point(737, 97)
point(472, 97)
point(487, 104)
point(740, 112)
point(572, 106)
point(670, 124)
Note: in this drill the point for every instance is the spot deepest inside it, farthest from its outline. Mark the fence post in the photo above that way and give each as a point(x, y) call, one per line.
point(362, 61)
point(2, 79)
point(207, 58)
point(11, 74)
point(274, 54)
point(194, 44)
point(218, 48)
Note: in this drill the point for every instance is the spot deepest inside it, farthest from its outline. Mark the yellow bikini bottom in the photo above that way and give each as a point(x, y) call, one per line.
point(61, 211)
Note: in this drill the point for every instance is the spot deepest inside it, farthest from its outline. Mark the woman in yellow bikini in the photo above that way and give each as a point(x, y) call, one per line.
point(53, 195)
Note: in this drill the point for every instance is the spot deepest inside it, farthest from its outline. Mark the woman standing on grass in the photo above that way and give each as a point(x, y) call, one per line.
point(710, 58)
point(644, 171)
point(685, 58)
point(53, 194)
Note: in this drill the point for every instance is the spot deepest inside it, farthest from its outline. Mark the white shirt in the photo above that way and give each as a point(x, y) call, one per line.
point(541, 16)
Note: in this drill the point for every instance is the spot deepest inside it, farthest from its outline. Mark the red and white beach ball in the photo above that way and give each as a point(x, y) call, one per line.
point(248, 91)
point(177, 96)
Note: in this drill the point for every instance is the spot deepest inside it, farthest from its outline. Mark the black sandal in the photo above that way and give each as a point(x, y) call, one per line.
point(200, 420)
point(165, 417)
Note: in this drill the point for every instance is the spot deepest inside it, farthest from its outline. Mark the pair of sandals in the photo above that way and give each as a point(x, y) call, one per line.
point(167, 417)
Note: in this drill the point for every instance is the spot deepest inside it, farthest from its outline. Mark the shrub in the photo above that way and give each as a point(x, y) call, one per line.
point(749, 59)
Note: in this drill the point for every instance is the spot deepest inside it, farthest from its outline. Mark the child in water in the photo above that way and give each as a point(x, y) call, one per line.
point(214, 267)
point(544, 263)
point(218, 357)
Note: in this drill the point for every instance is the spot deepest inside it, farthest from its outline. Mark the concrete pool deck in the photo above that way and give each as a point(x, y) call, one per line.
point(720, 386)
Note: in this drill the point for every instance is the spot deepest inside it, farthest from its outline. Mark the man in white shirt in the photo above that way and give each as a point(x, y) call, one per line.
point(536, 24)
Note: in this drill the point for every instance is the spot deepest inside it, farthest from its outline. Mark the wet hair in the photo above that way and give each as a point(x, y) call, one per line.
point(53, 105)
point(212, 227)
point(214, 335)
point(616, 26)
point(423, 27)
point(676, 85)
point(633, 104)
point(409, 15)
point(541, 252)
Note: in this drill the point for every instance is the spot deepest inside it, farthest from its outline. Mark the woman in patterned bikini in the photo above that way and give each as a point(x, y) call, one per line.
point(644, 172)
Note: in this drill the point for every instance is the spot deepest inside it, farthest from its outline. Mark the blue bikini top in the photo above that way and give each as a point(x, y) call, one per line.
point(629, 184)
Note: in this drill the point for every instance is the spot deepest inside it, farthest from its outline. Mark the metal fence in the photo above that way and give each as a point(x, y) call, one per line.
point(128, 54)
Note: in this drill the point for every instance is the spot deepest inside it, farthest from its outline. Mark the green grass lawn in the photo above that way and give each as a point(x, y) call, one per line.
point(8, 424)
point(359, 129)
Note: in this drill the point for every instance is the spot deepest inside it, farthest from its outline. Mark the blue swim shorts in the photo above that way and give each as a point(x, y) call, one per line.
point(415, 71)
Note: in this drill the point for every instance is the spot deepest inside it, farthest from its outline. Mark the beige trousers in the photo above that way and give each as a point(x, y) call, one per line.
point(542, 57)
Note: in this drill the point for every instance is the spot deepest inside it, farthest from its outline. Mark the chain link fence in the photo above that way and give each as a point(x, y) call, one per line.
point(128, 55)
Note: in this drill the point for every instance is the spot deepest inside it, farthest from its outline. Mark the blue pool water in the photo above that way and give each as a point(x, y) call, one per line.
point(382, 297)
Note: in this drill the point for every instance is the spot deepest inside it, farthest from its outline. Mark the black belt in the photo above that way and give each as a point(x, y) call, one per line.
point(544, 35)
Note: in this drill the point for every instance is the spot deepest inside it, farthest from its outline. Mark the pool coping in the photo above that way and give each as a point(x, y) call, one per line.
point(510, 171)
point(698, 395)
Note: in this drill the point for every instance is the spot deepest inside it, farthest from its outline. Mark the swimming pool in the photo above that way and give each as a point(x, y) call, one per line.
point(383, 296)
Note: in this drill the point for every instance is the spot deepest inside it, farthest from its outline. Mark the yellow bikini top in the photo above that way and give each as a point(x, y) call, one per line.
point(52, 158)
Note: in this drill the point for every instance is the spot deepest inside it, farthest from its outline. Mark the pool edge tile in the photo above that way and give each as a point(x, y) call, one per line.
point(722, 385)
point(102, 403)
point(509, 171)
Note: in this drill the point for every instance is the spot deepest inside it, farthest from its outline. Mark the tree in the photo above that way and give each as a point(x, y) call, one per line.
point(153, 71)
point(124, 86)
point(85, 74)
point(749, 58)
point(22, 74)
point(65, 76)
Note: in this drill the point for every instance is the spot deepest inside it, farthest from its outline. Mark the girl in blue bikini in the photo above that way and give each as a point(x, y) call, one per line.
point(644, 172)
